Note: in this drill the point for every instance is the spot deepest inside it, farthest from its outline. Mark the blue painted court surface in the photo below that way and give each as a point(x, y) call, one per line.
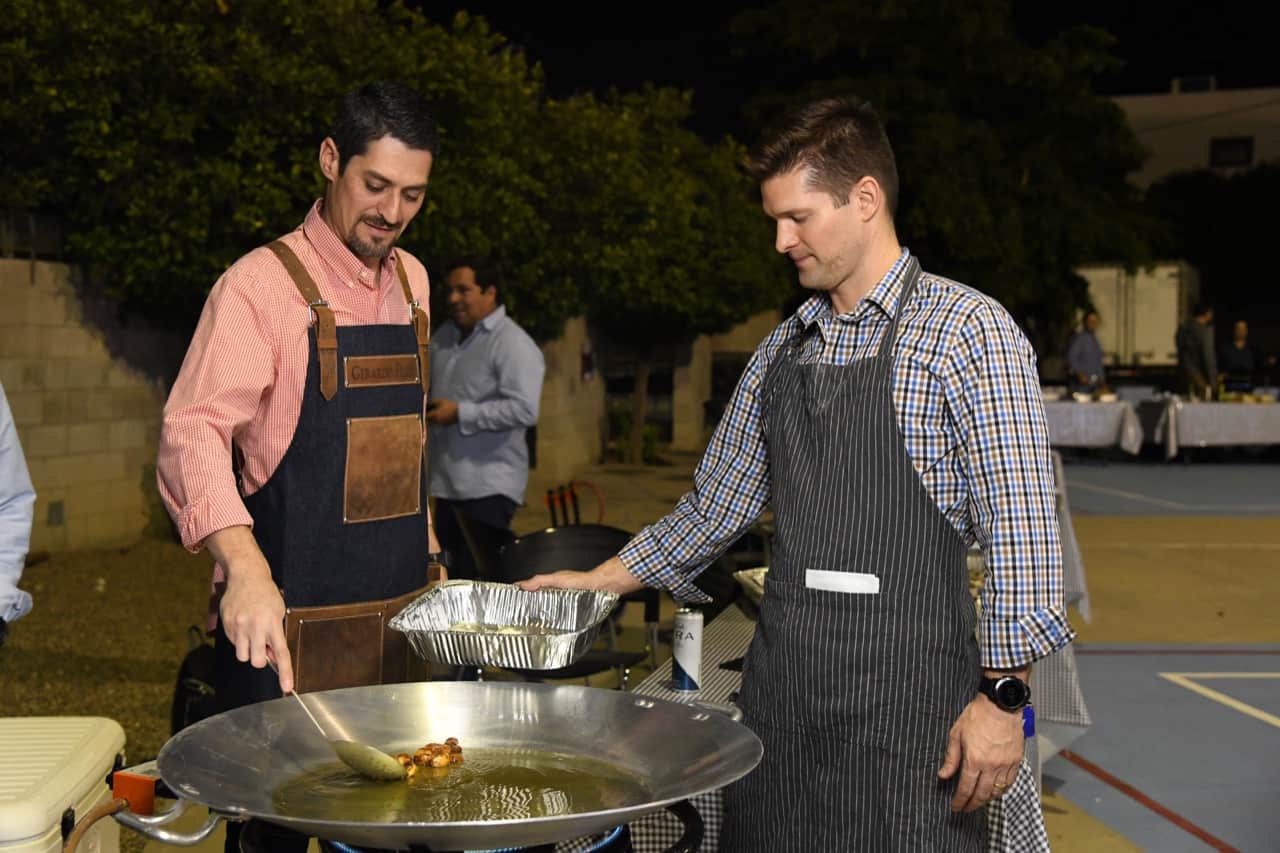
point(1210, 759)
point(1143, 488)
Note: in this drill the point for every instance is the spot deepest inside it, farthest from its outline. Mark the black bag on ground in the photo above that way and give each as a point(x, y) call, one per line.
point(193, 694)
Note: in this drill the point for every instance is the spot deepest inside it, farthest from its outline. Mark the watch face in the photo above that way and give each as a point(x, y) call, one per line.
point(1010, 693)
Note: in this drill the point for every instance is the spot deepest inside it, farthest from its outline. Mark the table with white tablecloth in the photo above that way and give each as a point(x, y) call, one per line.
point(1074, 424)
point(1184, 423)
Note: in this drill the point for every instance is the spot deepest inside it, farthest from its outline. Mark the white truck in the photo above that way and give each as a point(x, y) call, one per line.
point(1141, 310)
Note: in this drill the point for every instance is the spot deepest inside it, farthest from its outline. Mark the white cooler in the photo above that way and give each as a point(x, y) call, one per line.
point(47, 766)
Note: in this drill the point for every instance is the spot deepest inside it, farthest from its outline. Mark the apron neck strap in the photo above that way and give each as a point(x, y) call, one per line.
point(421, 327)
point(326, 325)
point(910, 276)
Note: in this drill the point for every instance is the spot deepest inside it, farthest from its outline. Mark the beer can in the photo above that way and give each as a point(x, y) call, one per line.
point(686, 650)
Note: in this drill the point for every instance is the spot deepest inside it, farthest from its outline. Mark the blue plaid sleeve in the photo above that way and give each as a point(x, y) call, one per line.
point(730, 490)
point(1000, 418)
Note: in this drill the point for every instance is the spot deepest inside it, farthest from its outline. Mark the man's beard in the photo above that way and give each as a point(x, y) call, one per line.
point(361, 249)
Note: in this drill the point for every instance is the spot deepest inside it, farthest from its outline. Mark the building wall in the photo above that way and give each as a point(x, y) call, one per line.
point(1179, 127)
point(88, 418)
point(691, 383)
point(571, 417)
point(747, 335)
point(690, 388)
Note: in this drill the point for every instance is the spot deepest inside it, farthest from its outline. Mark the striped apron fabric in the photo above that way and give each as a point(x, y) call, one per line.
point(853, 690)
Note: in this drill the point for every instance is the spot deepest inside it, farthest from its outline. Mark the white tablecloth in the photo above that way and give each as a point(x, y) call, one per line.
point(1073, 424)
point(1197, 424)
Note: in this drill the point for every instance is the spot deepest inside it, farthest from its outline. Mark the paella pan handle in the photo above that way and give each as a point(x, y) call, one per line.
point(152, 826)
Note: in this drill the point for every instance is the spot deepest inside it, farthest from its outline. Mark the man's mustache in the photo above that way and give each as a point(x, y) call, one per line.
point(379, 222)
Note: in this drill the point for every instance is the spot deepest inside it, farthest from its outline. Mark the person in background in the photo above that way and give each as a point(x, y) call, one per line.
point(486, 384)
point(1197, 363)
point(17, 508)
point(1085, 369)
point(892, 421)
point(1239, 360)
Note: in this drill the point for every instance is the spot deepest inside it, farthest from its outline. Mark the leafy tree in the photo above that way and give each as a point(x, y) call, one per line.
point(174, 136)
point(1013, 172)
point(678, 249)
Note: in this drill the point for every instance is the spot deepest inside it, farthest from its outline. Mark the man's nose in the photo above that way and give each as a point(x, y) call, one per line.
point(784, 238)
point(389, 209)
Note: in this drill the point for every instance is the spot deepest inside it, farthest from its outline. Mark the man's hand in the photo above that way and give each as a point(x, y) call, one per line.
point(251, 609)
point(442, 412)
point(985, 745)
point(609, 576)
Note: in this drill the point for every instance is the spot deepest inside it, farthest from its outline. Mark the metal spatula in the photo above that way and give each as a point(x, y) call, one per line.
point(366, 760)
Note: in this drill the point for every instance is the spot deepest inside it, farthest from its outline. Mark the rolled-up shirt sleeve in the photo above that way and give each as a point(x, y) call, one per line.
point(999, 411)
point(229, 367)
point(17, 509)
point(730, 489)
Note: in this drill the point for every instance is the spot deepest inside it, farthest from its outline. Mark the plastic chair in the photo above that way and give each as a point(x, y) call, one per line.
point(581, 547)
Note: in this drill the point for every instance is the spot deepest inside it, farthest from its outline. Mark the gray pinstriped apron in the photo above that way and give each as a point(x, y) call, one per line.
point(853, 693)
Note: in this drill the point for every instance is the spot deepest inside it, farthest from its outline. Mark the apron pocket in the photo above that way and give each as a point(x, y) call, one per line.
point(384, 468)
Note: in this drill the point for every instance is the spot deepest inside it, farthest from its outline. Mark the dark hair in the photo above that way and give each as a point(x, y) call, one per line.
point(487, 272)
point(383, 109)
point(1201, 309)
point(840, 140)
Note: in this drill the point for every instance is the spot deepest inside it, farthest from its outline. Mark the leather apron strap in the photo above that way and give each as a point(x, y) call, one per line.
point(325, 324)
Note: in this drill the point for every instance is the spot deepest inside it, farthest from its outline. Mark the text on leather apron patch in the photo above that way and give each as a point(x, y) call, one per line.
point(384, 468)
point(368, 371)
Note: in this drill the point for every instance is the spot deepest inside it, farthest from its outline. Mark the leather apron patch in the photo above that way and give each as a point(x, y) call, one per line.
point(370, 371)
point(384, 463)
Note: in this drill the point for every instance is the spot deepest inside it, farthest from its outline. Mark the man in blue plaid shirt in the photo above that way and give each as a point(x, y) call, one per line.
point(891, 422)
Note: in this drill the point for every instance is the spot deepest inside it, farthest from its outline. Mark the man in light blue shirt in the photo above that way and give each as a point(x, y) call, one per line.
point(17, 506)
point(486, 381)
point(1084, 357)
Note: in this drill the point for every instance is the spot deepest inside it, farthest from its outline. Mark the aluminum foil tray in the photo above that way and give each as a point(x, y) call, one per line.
point(475, 623)
point(752, 582)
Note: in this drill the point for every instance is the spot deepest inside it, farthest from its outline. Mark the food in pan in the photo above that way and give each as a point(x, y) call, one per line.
point(433, 756)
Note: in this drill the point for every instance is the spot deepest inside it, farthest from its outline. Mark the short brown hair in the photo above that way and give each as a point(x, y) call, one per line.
point(840, 140)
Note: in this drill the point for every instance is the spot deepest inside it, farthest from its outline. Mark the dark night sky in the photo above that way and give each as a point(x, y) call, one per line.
point(685, 46)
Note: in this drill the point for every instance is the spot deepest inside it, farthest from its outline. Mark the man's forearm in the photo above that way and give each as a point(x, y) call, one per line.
point(612, 576)
point(238, 552)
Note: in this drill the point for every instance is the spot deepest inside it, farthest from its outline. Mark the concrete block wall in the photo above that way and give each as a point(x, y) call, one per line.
point(571, 417)
point(691, 383)
point(87, 420)
point(690, 389)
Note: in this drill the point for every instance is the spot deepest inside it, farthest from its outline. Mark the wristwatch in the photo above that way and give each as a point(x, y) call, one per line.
point(1009, 692)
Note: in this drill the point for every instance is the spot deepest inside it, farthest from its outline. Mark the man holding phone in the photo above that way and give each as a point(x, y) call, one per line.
point(486, 381)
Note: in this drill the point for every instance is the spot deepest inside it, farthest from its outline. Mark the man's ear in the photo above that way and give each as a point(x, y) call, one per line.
point(329, 159)
point(867, 195)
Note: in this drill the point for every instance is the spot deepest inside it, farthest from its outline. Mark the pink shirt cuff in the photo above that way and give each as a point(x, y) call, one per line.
point(210, 513)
